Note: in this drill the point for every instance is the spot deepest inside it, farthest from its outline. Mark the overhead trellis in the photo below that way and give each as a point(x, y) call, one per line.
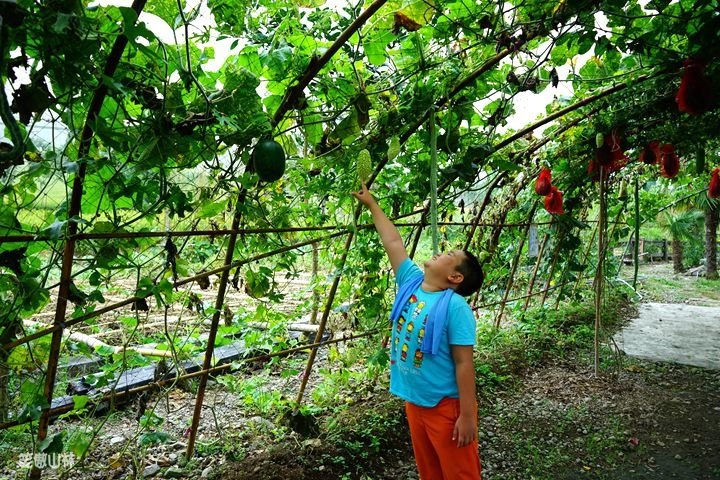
point(153, 134)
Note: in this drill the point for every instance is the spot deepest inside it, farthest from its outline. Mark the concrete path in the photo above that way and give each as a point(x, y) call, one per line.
point(678, 333)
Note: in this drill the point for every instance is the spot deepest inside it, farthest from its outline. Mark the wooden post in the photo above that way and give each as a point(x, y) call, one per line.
point(556, 253)
point(215, 322)
point(516, 261)
point(314, 276)
point(73, 213)
point(636, 243)
point(535, 269)
point(326, 315)
point(585, 257)
point(599, 271)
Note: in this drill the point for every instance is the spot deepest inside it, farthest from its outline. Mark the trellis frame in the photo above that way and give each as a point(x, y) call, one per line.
point(60, 323)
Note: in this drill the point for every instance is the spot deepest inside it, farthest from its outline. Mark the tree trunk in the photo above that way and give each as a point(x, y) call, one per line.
point(712, 215)
point(677, 253)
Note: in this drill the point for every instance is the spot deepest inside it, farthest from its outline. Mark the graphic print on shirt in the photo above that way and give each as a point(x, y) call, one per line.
point(407, 335)
point(417, 361)
point(408, 331)
point(418, 309)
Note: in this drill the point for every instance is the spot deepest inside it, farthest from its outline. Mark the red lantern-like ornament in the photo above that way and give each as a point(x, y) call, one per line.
point(543, 182)
point(554, 201)
point(650, 154)
point(695, 95)
point(714, 189)
point(669, 162)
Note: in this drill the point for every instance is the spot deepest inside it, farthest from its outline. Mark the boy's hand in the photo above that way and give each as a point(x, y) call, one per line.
point(364, 196)
point(465, 431)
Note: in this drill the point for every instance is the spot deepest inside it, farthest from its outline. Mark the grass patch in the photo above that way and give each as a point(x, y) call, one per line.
point(537, 335)
point(680, 288)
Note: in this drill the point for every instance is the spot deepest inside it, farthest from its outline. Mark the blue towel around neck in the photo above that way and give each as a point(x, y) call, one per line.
point(436, 318)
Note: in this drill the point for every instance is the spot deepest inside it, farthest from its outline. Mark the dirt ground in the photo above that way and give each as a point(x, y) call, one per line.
point(639, 420)
point(650, 421)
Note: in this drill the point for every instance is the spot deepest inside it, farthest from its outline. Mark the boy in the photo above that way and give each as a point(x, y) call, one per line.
point(431, 353)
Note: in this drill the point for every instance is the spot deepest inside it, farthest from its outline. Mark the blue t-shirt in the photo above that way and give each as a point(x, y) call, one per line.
point(425, 379)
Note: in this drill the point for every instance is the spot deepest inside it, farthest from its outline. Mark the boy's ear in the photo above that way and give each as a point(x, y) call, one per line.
point(456, 278)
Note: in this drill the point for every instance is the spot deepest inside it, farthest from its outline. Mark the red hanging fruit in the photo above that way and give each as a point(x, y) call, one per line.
point(714, 189)
point(543, 182)
point(554, 201)
point(669, 161)
point(650, 154)
point(695, 95)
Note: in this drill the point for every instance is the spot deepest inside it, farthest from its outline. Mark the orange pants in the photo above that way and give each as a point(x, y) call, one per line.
point(436, 454)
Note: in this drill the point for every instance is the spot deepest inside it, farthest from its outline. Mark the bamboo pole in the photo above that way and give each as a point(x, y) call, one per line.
point(566, 269)
point(294, 92)
point(536, 268)
point(556, 254)
point(522, 297)
point(316, 292)
point(242, 231)
point(515, 263)
point(563, 112)
point(599, 272)
point(215, 323)
point(97, 343)
point(433, 183)
point(326, 314)
point(586, 255)
point(636, 246)
point(485, 202)
point(110, 396)
point(560, 292)
point(131, 300)
point(74, 210)
point(221, 368)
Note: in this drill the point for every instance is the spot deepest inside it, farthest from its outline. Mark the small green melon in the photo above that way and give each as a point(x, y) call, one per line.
point(269, 160)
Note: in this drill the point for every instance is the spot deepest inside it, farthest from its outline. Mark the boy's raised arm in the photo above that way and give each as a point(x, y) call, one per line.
point(391, 239)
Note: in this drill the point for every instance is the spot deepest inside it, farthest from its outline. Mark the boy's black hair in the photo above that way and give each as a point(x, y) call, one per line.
point(472, 273)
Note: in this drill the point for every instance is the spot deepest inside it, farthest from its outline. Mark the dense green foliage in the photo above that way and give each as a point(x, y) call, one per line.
point(199, 84)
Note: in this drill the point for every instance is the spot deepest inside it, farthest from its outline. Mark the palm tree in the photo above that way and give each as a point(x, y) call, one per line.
point(681, 225)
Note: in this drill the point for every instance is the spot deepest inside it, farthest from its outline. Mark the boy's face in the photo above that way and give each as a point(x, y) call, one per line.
point(445, 264)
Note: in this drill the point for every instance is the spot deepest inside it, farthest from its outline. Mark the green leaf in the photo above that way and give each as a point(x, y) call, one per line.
point(62, 23)
point(379, 357)
point(104, 350)
point(376, 44)
point(52, 443)
point(153, 438)
point(78, 443)
point(211, 209)
point(79, 401)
